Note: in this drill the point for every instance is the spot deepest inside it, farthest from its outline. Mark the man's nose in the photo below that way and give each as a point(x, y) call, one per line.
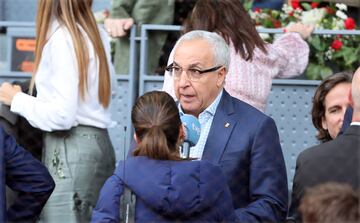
point(342, 114)
point(184, 79)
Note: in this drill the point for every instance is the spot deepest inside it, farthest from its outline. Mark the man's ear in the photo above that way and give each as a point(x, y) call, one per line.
point(181, 133)
point(221, 76)
point(351, 101)
point(136, 138)
point(323, 123)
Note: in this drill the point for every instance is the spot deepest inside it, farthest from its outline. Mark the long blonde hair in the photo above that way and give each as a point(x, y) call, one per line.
point(72, 14)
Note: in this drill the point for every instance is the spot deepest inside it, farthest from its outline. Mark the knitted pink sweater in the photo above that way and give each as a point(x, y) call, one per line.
point(250, 81)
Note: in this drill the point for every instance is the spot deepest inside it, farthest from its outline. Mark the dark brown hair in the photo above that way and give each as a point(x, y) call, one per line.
point(229, 19)
point(330, 202)
point(156, 120)
point(318, 109)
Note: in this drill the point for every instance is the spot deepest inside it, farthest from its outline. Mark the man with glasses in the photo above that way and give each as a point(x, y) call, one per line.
point(234, 135)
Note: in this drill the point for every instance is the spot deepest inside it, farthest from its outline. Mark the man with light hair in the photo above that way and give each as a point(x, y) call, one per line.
point(333, 161)
point(243, 141)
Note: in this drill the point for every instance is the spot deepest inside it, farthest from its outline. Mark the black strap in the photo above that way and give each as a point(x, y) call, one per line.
point(127, 206)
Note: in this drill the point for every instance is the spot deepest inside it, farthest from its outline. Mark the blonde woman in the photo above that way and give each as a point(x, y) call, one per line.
point(72, 79)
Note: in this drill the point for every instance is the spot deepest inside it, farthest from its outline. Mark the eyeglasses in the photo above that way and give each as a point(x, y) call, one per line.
point(192, 73)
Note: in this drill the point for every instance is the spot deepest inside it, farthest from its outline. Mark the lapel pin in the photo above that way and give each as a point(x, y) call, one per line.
point(227, 125)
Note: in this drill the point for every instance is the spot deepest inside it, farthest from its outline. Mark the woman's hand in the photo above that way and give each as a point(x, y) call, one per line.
point(7, 92)
point(304, 30)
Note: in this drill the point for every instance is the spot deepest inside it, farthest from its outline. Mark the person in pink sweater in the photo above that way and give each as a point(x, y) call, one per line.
point(253, 63)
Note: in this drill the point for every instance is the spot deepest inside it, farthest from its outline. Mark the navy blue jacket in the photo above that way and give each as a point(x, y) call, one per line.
point(166, 191)
point(22, 173)
point(271, 4)
point(347, 120)
point(245, 143)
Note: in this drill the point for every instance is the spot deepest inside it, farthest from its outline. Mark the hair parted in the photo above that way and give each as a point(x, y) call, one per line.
point(318, 108)
point(75, 15)
point(157, 123)
point(229, 19)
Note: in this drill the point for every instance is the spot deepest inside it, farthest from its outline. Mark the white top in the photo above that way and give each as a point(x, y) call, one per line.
point(58, 105)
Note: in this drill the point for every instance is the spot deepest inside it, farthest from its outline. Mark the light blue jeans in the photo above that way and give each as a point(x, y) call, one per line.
point(79, 160)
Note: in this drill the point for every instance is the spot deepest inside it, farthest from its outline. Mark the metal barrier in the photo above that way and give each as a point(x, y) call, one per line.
point(289, 102)
point(2, 10)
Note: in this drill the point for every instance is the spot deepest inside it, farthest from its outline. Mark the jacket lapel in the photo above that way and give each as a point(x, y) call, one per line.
point(222, 126)
point(352, 130)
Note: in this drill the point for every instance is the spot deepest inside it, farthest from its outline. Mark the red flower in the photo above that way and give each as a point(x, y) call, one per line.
point(330, 10)
point(276, 24)
point(349, 23)
point(336, 44)
point(314, 4)
point(295, 4)
point(291, 13)
point(258, 10)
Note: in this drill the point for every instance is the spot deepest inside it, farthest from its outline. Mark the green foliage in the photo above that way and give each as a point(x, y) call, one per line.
point(317, 71)
point(306, 6)
point(328, 53)
point(248, 4)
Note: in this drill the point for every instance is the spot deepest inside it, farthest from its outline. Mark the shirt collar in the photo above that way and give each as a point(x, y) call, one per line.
point(355, 123)
point(211, 109)
point(54, 25)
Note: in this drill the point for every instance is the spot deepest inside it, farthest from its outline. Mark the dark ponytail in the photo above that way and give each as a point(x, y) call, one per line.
point(157, 122)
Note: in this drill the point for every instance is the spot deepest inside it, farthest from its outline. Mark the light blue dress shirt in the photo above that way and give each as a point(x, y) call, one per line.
point(205, 118)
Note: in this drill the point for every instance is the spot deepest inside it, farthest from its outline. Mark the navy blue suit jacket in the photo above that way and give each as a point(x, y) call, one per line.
point(347, 120)
point(271, 4)
point(245, 143)
point(26, 175)
point(337, 160)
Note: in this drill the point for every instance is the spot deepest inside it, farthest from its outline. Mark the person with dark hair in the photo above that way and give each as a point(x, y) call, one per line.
point(253, 63)
point(72, 71)
point(337, 160)
point(167, 187)
point(27, 176)
point(330, 202)
point(330, 102)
